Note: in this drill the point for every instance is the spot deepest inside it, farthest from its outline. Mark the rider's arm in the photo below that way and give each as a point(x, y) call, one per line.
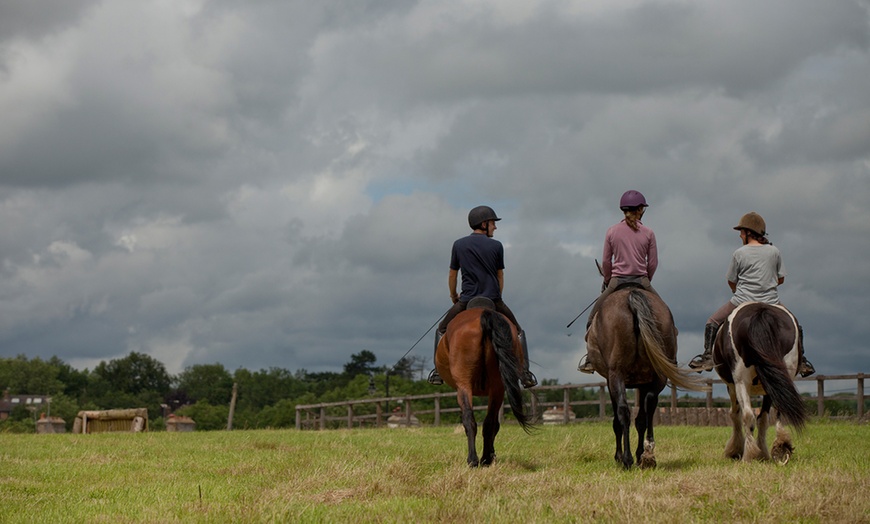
point(500, 275)
point(733, 286)
point(451, 283)
point(780, 280)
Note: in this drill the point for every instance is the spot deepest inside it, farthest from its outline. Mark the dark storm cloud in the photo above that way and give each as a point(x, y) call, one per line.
point(272, 184)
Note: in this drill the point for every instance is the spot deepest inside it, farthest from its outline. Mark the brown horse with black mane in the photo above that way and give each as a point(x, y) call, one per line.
point(757, 352)
point(480, 355)
point(632, 342)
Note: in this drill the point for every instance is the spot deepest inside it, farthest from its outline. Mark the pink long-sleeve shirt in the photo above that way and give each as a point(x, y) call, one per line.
point(629, 253)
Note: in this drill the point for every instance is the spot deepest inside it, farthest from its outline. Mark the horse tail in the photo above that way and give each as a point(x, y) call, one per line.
point(497, 330)
point(646, 326)
point(771, 370)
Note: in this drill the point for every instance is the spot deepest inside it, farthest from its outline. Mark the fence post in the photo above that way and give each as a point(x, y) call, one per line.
point(709, 394)
point(322, 418)
point(349, 416)
point(860, 395)
point(380, 413)
point(437, 411)
point(298, 419)
point(821, 395)
point(601, 402)
point(566, 405)
point(534, 404)
point(673, 397)
point(408, 412)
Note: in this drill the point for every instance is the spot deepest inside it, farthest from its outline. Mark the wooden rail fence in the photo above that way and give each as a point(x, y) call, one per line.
point(675, 410)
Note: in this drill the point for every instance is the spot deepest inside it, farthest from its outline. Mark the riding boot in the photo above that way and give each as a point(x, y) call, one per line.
point(528, 379)
point(805, 368)
point(704, 362)
point(434, 378)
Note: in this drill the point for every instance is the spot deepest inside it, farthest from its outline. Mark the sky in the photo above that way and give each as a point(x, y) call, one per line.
point(278, 184)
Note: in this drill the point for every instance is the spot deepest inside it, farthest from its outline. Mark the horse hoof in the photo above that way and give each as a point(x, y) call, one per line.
point(647, 461)
point(782, 453)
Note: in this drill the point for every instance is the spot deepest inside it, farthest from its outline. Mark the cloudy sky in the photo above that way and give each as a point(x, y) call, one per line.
point(278, 184)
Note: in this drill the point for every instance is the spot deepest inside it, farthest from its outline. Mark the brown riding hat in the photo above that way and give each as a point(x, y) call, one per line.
point(753, 222)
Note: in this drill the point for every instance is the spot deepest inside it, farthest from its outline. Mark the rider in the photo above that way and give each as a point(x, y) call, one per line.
point(481, 259)
point(630, 256)
point(754, 275)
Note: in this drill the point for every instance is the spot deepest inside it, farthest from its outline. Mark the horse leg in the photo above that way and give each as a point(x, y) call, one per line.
point(470, 425)
point(621, 421)
point(763, 424)
point(734, 447)
point(490, 428)
point(751, 451)
point(646, 444)
point(782, 446)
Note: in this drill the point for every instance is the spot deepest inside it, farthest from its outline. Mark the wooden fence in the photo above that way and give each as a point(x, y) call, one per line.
point(693, 410)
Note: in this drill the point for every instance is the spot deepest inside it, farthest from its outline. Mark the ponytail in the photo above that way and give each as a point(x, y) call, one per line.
point(632, 217)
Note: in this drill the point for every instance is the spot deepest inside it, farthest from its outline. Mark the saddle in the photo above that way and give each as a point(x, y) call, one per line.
point(627, 285)
point(480, 303)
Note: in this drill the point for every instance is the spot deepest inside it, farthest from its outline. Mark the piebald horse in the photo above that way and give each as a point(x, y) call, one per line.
point(757, 352)
point(480, 355)
point(632, 342)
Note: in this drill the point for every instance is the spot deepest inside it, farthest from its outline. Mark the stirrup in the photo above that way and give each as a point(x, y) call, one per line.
point(435, 379)
point(585, 366)
point(703, 362)
point(529, 380)
point(806, 369)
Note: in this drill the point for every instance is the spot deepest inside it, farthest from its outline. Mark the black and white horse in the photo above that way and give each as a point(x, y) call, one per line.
point(757, 352)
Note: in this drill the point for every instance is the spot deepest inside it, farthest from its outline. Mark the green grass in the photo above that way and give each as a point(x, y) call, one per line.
point(559, 474)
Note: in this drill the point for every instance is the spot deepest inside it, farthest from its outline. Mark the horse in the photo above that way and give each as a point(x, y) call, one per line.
point(757, 352)
point(480, 355)
point(632, 342)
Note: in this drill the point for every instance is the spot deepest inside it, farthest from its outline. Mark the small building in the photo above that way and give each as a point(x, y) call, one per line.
point(47, 424)
point(179, 423)
point(32, 402)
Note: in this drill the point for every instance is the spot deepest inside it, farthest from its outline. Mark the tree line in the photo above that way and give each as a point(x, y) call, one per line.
point(265, 399)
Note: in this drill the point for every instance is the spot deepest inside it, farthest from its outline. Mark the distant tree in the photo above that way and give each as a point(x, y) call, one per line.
point(75, 382)
point(29, 377)
point(206, 416)
point(266, 387)
point(134, 374)
point(209, 382)
point(361, 363)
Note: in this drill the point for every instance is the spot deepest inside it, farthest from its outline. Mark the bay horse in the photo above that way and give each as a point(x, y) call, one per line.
point(480, 355)
point(632, 342)
point(757, 352)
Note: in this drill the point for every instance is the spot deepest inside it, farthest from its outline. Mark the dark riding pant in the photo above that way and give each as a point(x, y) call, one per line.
point(460, 306)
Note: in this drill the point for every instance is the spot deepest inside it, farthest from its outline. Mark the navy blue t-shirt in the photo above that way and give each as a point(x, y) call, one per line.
point(479, 258)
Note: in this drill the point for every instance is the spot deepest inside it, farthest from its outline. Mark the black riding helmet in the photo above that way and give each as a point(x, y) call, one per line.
point(479, 215)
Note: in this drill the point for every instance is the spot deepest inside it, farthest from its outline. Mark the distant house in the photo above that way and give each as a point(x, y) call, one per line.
point(32, 402)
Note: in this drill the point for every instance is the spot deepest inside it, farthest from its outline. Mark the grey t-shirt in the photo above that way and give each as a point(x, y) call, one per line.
point(756, 270)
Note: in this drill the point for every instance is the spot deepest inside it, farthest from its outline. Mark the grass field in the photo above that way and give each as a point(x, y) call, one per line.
point(559, 474)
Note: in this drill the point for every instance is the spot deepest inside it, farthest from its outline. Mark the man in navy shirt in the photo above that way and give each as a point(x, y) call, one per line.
point(481, 259)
